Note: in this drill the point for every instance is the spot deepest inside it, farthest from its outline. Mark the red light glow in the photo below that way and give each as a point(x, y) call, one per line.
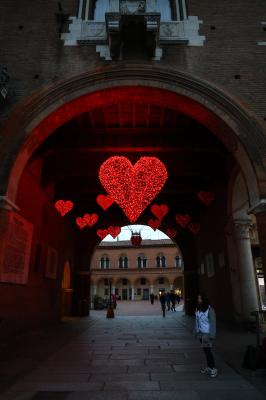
point(182, 219)
point(104, 201)
point(159, 211)
point(154, 223)
point(206, 197)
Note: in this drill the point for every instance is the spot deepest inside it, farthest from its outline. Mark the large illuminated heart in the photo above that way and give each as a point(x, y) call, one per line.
point(159, 211)
point(63, 207)
point(133, 187)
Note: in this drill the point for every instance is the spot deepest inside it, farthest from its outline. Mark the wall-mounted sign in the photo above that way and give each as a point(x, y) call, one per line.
point(16, 249)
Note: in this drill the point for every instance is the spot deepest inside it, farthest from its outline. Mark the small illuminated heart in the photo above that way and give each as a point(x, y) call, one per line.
point(133, 187)
point(102, 233)
point(63, 207)
point(171, 233)
point(206, 198)
point(80, 222)
point(154, 223)
point(90, 219)
point(104, 201)
point(159, 211)
point(194, 228)
point(114, 231)
point(182, 219)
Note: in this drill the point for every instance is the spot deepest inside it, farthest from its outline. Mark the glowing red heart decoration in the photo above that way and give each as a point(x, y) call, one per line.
point(80, 222)
point(104, 201)
point(102, 233)
point(182, 219)
point(114, 231)
point(154, 223)
point(63, 207)
point(206, 198)
point(90, 219)
point(194, 228)
point(136, 239)
point(159, 211)
point(133, 187)
point(171, 233)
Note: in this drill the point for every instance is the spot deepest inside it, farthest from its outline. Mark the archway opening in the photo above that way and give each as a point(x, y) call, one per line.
point(61, 160)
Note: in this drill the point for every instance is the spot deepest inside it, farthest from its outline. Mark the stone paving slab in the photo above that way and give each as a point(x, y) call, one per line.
point(131, 358)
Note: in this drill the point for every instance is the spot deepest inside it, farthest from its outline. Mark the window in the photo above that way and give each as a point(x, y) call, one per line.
point(142, 261)
point(160, 261)
point(123, 262)
point(178, 262)
point(139, 292)
point(104, 262)
point(101, 7)
point(164, 7)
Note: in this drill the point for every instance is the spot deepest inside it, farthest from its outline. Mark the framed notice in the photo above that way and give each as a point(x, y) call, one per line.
point(16, 250)
point(51, 263)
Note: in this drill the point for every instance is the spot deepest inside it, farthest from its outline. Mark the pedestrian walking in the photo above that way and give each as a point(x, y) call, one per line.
point(172, 298)
point(163, 302)
point(206, 332)
point(168, 301)
point(178, 299)
point(152, 298)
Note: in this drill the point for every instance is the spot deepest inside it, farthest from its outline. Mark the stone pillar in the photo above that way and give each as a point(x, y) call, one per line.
point(132, 293)
point(171, 286)
point(80, 9)
point(94, 290)
point(248, 284)
point(151, 289)
point(113, 290)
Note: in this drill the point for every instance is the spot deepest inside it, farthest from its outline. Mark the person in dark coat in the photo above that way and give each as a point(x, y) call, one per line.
point(152, 298)
point(172, 298)
point(168, 301)
point(163, 302)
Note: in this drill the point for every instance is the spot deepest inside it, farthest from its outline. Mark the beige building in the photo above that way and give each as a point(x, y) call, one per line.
point(136, 272)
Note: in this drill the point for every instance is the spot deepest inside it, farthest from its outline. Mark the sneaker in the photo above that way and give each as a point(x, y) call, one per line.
point(213, 372)
point(206, 370)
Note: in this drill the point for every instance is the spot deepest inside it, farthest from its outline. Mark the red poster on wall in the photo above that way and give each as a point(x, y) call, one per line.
point(15, 242)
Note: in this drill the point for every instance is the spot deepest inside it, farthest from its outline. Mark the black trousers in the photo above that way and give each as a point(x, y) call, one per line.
point(209, 357)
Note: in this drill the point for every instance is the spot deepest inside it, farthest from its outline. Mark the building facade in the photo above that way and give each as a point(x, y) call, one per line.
point(135, 272)
point(81, 81)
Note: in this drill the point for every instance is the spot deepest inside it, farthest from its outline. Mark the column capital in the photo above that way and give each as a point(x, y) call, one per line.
point(242, 228)
point(260, 207)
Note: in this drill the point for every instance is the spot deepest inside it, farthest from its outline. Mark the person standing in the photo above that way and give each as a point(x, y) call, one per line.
point(172, 298)
point(163, 302)
point(206, 332)
point(152, 298)
point(168, 302)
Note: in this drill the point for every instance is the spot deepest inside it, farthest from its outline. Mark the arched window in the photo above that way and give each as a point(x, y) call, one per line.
point(178, 262)
point(142, 261)
point(161, 261)
point(104, 262)
point(123, 262)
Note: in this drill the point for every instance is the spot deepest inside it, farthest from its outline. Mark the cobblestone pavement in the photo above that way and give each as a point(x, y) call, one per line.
point(131, 357)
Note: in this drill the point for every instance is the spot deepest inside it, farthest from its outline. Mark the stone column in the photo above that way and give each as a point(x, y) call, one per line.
point(248, 284)
point(171, 286)
point(113, 290)
point(132, 293)
point(80, 9)
point(151, 289)
point(94, 290)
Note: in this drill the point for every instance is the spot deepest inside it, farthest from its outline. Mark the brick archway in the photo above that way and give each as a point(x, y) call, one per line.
point(37, 117)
